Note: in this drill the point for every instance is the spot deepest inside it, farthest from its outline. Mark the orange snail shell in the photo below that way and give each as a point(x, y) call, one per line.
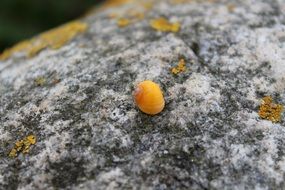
point(149, 98)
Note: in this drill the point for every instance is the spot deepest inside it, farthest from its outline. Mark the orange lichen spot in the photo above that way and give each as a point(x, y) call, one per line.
point(149, 97)
point(22, 146)
point(269, 110)
point(123, 22)
point(53, 39)
point(163, 25)
point(181, 67)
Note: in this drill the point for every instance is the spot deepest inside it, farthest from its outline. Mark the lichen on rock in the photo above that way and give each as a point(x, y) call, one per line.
point(213, 133)
point(23, 146)
point(123, 22)
point(163, 25)
point(181, 67)
point(269, 110)
point(53, 39)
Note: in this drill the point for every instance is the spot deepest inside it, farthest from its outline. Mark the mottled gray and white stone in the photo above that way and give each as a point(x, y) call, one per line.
point(89, 133)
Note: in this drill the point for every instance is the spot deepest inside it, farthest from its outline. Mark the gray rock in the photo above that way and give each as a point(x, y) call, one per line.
point(89, 133)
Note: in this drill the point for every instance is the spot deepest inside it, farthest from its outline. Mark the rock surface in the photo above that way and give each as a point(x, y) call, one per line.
point(77, 101)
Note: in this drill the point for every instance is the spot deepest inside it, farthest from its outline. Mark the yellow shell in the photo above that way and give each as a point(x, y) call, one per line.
point(149, 97)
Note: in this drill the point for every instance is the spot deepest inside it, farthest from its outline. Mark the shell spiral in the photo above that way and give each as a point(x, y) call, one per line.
point(149, 97)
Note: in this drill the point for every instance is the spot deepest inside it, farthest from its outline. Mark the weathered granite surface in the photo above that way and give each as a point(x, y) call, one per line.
point(89, 133)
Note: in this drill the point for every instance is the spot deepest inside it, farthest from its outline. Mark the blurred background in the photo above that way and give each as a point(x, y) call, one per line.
point(22, 19)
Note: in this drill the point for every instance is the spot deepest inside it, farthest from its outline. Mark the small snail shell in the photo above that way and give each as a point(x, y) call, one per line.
point(149, 97)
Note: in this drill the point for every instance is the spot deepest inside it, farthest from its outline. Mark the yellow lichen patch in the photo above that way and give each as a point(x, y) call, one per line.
point(22, 146)
point(135, 13)
point(132, 17)
point(53, 39)
point(163, 25)
point(269, 110)
point(56, 38)
point(181, 67)
point(123, 22)
point(40, 81)
point(17, 48)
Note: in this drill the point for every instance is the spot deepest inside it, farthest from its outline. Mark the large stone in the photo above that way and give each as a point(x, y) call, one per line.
point(74, 95)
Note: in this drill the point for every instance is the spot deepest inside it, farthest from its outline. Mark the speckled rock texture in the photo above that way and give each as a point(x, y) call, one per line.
point(77, 101)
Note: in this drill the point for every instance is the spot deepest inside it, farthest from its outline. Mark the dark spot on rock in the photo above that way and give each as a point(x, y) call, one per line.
point(196, 49)
point(67, 172)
